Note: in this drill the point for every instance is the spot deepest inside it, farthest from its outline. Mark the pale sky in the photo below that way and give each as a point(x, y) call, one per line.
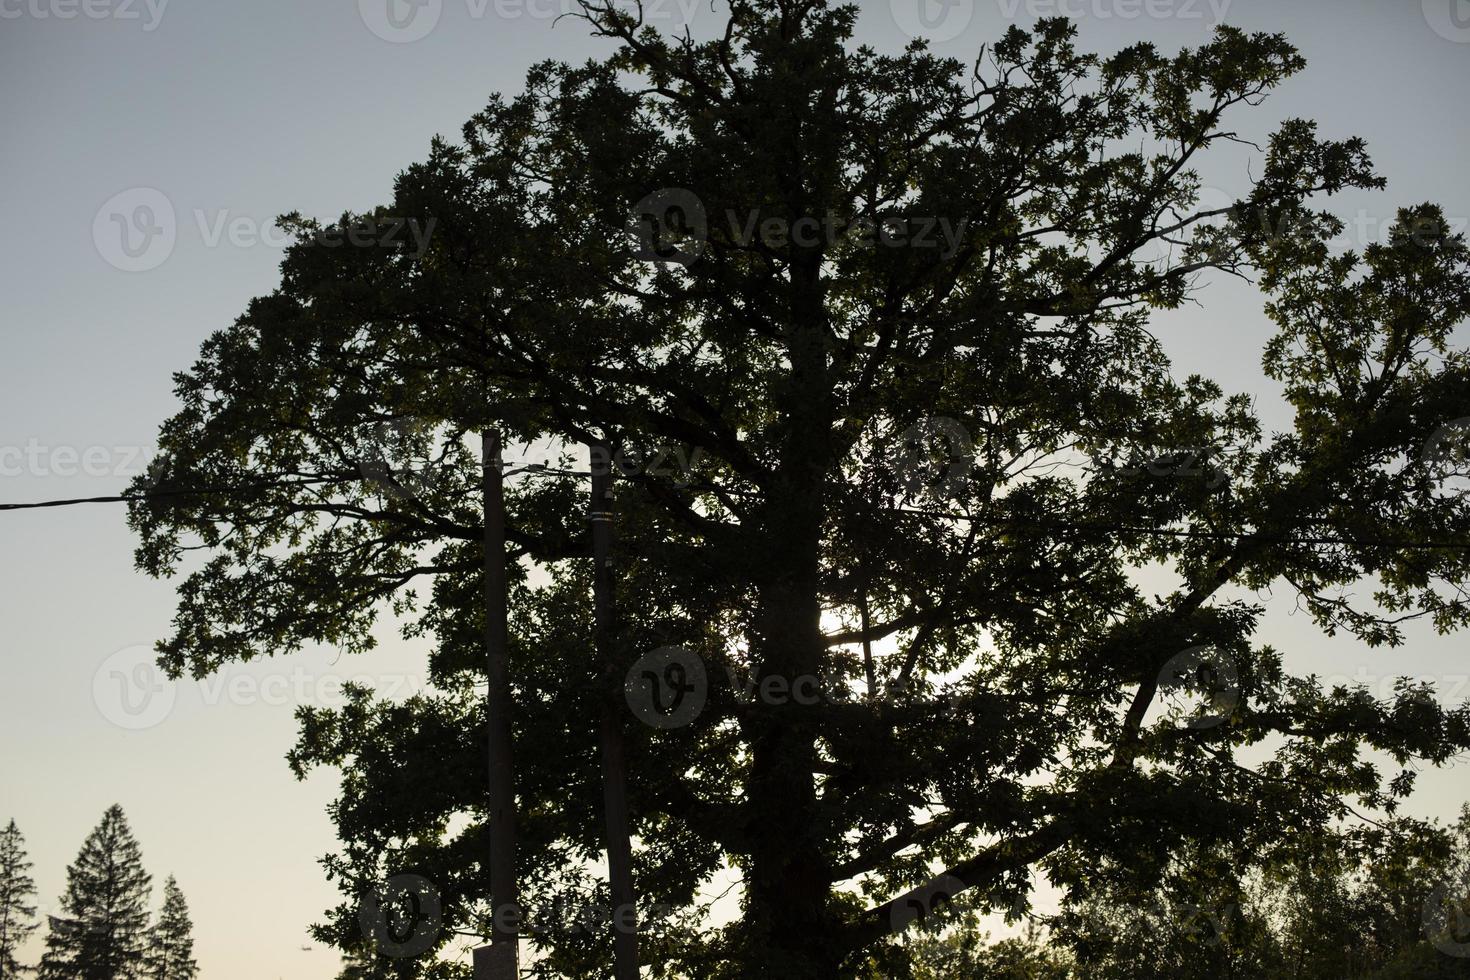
point(232, 113)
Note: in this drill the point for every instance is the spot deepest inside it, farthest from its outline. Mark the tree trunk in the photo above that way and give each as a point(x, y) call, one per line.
point(499, 960)
point(789, 888)
point(614, 761)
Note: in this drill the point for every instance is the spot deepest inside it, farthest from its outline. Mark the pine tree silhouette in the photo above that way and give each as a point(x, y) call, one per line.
point(170, 954)
point(100, 933)
point(17, 918)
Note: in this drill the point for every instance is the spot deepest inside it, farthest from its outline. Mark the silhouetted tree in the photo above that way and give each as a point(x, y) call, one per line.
point(170, 943)
point(357, 964)
point(100, 933)
point(1347, 905)
point(900, 309)
point(17, 890)
point(965, 952)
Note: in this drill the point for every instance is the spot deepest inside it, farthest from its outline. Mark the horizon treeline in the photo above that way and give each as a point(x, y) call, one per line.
point(1386, 901)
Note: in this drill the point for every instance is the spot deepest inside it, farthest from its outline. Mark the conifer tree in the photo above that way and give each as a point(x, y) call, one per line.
point(17, 915)
point(358, 963)
point(100, 933)
point(170, 953)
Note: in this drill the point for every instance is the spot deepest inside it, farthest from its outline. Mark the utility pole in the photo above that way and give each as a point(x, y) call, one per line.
point(614, 759)
point(498, 961)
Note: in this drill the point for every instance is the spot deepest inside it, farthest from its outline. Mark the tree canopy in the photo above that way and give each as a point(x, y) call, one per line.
point(901, 311)
point(1348, 905)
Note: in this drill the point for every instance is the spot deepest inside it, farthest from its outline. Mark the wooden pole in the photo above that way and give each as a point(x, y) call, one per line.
point(498, 961)
point(614, 759)
point(869, 667)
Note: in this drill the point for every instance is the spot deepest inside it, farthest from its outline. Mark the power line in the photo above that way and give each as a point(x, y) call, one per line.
point(125, 498)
